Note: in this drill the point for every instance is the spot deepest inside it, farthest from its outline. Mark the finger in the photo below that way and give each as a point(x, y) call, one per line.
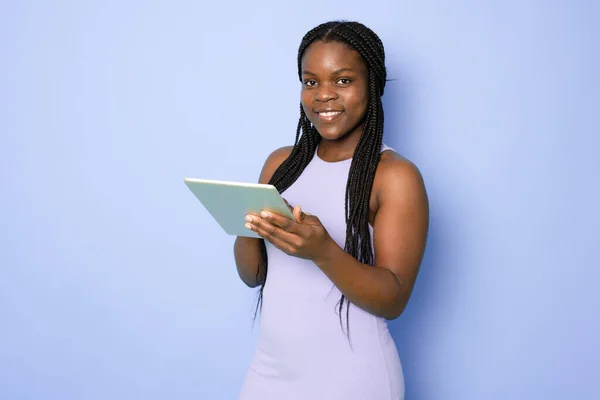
point(285, 241)
point(298, 213)
point(277, 242)
point(304, 218)
point(272, 230)
point(279, 220)
point(310, 219)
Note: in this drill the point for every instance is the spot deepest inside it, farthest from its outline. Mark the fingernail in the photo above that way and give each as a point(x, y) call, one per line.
point(265, 214)
point(248, 218)
point(248, 226)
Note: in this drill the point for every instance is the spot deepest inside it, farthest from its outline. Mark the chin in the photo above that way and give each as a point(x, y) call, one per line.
point(328, 133)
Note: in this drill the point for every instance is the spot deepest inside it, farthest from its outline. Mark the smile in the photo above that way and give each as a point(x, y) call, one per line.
point(327, 116)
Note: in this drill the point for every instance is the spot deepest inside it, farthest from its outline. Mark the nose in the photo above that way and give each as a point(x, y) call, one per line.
point(325, 93)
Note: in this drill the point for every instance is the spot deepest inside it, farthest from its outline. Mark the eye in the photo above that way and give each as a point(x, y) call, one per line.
point(344, 81)
point(310, 82)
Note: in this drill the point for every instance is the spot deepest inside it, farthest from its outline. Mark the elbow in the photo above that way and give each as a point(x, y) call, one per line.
point(393, 303)
point(391, 309)
point(251, 285)
point(395, 306)
point(393, 313)
point(248, 281)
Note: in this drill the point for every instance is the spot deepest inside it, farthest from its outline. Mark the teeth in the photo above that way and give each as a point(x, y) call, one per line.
point(330, 113)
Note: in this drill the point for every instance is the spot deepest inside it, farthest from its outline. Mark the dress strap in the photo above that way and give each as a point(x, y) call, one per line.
point(385, 147)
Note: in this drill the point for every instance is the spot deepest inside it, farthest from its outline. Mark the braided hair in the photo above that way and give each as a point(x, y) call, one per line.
point(367, 152)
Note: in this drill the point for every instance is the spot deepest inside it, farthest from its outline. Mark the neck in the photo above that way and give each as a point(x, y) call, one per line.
point(339, 149)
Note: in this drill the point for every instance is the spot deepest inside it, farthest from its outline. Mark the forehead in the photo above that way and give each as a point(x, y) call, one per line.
point(331, 56)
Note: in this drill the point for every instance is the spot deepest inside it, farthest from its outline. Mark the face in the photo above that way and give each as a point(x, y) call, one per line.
point(334, 89)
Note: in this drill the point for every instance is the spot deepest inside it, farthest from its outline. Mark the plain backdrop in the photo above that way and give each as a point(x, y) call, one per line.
point(115, 283)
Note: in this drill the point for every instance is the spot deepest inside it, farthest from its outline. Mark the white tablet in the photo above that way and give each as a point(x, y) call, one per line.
point(229, 202)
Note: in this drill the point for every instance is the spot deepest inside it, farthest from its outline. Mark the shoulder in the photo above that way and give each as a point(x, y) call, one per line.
point(398, 177)
point(275, 159)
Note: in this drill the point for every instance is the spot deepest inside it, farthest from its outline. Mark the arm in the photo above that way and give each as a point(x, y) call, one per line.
point(250, 253)
point(399, 236)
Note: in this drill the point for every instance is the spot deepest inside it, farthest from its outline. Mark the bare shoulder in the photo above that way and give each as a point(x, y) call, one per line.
point(397, 176)
point(275, 159)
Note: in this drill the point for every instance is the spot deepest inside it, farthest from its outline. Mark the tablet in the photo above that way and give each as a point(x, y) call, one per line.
point(229, 202)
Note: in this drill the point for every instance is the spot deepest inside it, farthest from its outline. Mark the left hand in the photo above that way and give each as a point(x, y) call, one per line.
point(304, 237)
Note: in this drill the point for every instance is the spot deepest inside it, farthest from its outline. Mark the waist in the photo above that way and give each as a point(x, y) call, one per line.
point(303, 319)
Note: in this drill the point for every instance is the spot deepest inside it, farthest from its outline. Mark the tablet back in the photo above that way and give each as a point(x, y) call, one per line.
point(229, 202)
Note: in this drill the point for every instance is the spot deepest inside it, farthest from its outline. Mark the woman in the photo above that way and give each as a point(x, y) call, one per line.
point(332, 276)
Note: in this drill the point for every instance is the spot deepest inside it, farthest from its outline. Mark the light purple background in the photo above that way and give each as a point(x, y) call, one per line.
point(115, 283)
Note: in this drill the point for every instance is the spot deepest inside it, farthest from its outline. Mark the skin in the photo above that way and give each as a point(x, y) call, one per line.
point(335, 77)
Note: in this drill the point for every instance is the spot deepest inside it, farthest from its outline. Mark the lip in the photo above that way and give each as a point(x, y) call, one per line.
point(328, 118)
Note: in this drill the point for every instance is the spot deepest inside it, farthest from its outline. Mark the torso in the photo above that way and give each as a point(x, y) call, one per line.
point(302, 351)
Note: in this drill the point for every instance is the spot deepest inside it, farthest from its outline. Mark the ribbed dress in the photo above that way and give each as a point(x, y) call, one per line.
point(302, 352)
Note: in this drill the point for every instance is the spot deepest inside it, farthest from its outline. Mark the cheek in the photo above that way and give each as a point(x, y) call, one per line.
point(360, 103)
point(364, 103)
point(305, 100)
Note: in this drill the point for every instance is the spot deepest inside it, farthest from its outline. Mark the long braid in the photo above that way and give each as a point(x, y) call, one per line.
point(367, 153)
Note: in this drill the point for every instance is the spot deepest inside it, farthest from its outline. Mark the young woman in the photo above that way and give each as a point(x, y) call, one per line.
point(347, 262)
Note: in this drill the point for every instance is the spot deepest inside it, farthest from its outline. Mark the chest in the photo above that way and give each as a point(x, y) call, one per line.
point(321, 190)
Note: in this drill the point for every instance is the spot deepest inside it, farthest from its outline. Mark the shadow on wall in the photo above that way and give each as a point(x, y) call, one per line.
point(409, 330)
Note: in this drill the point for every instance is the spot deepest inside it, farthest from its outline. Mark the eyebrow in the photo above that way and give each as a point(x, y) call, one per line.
point(336, 72)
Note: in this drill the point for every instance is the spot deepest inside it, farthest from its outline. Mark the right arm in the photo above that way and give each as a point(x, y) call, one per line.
point(250, 253)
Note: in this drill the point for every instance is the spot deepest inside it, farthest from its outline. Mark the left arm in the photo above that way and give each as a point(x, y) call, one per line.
point(399, 237)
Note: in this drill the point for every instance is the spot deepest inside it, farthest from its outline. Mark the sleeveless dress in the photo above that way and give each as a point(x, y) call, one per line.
point(302, 351)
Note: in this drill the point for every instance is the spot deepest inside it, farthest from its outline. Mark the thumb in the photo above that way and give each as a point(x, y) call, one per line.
point(298, 214)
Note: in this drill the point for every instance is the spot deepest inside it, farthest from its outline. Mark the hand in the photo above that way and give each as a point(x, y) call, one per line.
point(304, 237)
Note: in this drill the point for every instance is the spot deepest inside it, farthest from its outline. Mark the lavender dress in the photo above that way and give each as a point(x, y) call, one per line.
point(302, 352)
